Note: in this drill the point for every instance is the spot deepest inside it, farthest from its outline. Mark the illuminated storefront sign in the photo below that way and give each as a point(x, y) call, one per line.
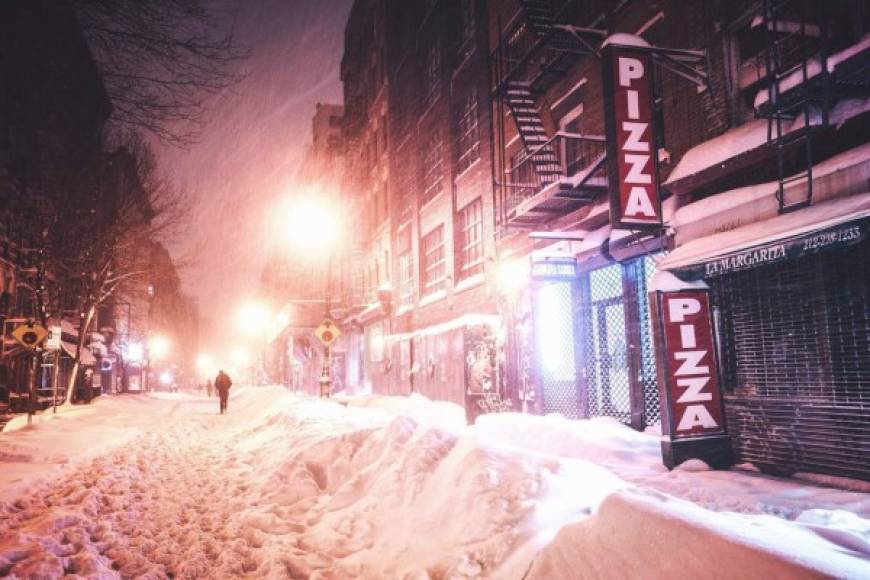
point(692, 417)
point(631, 143)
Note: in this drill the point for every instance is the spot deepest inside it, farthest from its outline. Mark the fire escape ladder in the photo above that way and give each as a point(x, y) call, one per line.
point(521, 102)
point(557, 44)
point(782, 111)
point(539, 15)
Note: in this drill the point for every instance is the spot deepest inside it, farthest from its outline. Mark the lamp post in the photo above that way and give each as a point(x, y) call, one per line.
point(313, 227)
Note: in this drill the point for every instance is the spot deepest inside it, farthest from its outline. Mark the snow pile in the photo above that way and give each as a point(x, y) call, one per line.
point(381, 487)
point(754, 134)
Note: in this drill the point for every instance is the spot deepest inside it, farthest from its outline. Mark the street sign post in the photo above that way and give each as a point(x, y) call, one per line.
point(327, 332)
point(53, 340)
point(30, 335)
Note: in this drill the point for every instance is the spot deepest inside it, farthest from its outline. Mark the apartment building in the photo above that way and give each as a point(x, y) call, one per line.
point(430, 320)
point(747, 122)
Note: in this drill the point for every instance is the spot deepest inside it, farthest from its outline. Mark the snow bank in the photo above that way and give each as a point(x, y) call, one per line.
point(659, 537)
point(383, 487)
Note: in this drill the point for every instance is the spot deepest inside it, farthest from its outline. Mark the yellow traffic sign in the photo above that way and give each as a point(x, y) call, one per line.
point(327, 332)
point(30, 335)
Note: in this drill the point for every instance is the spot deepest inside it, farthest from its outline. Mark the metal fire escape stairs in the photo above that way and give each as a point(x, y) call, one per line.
point(530, 126)
point(536, 54)
point(780, 110)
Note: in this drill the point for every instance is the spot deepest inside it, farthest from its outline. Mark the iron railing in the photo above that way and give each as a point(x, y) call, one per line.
point(563, 156)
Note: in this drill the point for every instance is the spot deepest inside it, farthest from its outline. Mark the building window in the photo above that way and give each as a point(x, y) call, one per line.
point(406, 278)
point(468, 139)
point(433, 173)
point(434, 260)
point(433, 73)
point(406, 265)
point(469, 246)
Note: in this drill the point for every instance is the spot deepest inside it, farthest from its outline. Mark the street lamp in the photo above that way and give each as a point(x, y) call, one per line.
point(254, 319)
point(158, 348)
point(313, 227)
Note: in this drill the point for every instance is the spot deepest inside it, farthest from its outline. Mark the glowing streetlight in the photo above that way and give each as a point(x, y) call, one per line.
point(513, 275)
point(239, 357)
point(311, 224)
point(158, 346)
point(252, 317)
point(205, 364)
point(134, 352)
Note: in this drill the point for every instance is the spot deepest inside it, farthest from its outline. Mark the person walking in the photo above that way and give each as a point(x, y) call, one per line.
point(223, 383)
point(209, 388)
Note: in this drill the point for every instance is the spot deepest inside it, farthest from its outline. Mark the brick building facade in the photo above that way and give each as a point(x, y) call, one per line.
point(498, 128)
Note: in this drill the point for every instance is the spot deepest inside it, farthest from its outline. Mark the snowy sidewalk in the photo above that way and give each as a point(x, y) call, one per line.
point(384, 487)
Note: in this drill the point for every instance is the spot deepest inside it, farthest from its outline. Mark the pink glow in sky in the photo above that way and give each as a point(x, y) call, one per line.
point(255, 137)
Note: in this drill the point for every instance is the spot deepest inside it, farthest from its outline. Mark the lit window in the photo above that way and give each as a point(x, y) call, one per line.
point(469, 246)
point(434, 260)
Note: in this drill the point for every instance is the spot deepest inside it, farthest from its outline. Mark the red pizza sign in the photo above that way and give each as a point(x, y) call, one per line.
point(631, 143)
point(691, 375)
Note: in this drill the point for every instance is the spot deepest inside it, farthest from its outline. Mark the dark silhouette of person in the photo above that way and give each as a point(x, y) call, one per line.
point(209, 388)
point(223, 383)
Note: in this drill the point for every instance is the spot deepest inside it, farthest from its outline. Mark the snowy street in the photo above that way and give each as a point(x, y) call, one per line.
point(384, 487)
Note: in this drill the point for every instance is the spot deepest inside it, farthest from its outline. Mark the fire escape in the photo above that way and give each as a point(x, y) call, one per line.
point(803, 80)
point(552, 175)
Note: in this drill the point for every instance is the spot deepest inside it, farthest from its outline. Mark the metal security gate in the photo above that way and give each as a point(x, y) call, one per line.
point(618, 352)
point(794, 341)
point(608, 388)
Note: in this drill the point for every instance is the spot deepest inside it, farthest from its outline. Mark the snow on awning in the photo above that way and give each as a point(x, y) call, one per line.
point(845, 174)
point(747, 138)
point(87, 357)
point(832, 225)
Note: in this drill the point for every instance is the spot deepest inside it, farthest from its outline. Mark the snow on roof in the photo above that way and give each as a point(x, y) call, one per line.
point(844, 174)
point(751, 135)
point(664, 281)
point(625, 39)
point(814, 67)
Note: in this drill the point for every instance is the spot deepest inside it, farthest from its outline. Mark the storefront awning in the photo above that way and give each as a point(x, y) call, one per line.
point(828, 226)
point(87, 358)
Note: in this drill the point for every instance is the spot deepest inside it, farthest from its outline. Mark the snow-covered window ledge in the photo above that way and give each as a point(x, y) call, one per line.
point(432, 298)
point(470, 282)
point(404, 309)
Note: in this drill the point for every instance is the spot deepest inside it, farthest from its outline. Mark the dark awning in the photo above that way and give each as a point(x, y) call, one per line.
point(87, 358)
point(829, 226)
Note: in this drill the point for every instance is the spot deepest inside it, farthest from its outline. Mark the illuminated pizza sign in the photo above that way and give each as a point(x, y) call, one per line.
point(631, 143)
point(692, 396)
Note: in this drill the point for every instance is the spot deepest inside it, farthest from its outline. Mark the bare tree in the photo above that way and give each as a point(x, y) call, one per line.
point(161, 60)
point(104, 246)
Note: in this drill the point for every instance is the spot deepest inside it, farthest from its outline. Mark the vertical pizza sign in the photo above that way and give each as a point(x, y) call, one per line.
point(692, 396)
point(631, 142)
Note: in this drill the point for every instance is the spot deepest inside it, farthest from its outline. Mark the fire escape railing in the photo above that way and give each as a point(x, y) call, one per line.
point(564, 156)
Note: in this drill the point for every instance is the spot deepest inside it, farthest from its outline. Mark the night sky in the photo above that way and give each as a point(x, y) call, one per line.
point(250, 148)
